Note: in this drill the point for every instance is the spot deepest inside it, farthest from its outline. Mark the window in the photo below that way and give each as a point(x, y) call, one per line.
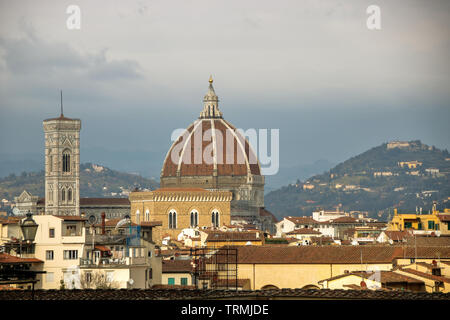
point(70, 254)
point(436, 226)
point(66, 161)
point(147, 215)
point(88, 277)
point(69, 195)
point(49, 277)
point(436, 272)
point(109, 276)
point(63, 195)
point(138, 216)
point(194, 218)
point(184, 281)
point(49, 255)
point(171, 281)
point(172, 220)
point(150, 273)
point(431, 225)
point(215, 219)
point(51, 233)
point(71, 230)
point(408, 225)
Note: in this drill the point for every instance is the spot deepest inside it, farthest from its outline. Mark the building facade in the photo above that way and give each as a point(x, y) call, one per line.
point(181, 208)
point(62, 166)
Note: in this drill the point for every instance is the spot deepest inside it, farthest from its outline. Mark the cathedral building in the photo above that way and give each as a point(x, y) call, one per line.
point(230, 163)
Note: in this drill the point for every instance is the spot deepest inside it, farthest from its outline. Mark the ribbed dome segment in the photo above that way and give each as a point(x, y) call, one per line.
point(225, 152)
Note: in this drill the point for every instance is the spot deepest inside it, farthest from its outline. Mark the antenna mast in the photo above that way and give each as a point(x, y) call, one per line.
point(62, 113)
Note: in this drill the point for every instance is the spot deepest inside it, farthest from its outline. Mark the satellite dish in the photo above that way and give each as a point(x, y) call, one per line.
point(16, 211)
point(92, 219)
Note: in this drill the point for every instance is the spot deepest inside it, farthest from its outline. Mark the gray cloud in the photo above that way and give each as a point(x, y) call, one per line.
point(138, 69)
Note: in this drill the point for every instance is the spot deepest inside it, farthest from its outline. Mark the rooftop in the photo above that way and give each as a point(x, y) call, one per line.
point(194, 294)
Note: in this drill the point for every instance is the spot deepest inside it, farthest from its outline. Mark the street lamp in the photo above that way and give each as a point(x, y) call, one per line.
point(29, 228)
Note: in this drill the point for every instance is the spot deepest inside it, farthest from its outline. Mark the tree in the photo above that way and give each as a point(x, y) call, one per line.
point(97, 280)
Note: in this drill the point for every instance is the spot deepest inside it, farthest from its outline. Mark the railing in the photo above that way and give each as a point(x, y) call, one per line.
point(105, 238)
point(110, 262)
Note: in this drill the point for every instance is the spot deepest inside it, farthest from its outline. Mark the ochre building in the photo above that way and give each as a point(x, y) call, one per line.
point(181, 208)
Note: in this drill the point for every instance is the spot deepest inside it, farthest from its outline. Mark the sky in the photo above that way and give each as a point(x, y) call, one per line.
point(137, 70)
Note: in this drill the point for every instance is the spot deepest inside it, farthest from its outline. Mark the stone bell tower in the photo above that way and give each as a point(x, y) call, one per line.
point(62, 165)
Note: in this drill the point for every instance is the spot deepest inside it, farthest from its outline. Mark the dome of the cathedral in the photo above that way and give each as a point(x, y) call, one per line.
point(210, 146)
point(225, 152)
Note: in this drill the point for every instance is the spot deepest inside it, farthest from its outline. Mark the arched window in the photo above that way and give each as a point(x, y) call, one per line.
point(194, 218)
point(147, 215)
point(138, 214)
point(215, 218)
point(66, 161)
point(172, 219)
point(63, 195)
point(69, 195)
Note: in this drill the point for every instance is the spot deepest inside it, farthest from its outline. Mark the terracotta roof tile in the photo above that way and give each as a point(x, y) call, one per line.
point(9, 259)
point(426, 275)
point(304, 231)
point(169, 266)
point(188, 293)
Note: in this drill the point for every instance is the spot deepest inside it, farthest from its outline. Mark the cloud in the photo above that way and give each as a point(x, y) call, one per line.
point(31, 55)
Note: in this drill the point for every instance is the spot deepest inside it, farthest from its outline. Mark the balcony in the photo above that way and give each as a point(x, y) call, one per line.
point(106, 239)
point(112, 262)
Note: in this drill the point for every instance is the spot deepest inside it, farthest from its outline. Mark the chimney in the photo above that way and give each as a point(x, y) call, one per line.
point(103, 223)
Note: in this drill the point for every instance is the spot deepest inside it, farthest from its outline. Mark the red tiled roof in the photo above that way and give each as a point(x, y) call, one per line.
point(72, 218)
point(302, 220)
point(426, 275)
point(9, 259)
point(397, 235)
point(304, 231)
point(335, 254)
point(170, 266)
point(315, 254)
point(345, 220)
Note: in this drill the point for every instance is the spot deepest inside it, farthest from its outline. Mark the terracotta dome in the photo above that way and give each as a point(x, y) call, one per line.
point(227, 152)
point(212, 154)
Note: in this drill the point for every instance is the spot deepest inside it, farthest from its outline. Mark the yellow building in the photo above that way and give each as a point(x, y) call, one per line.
point(181, 208)
point(304, 266)
point(436, 221)
point(410, 164)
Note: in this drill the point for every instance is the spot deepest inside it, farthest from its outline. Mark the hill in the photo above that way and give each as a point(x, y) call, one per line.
point(95, 181)
point(402, 175)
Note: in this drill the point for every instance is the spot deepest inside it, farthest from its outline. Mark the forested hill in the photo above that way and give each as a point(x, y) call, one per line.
point(95, 181)
point(404, 175)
